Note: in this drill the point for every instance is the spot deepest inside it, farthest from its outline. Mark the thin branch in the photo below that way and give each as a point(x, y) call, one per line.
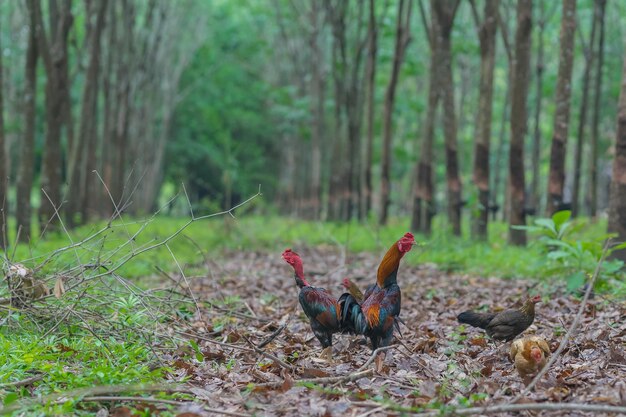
point(60, 397)
point(570, 331)
point(583, 42)
point(134, 254)
point(188, 201)
point(505, 37)
point(182, 273)
point(476, 16)
point(373, 356)
point(354, 376)
point(22, 383)
point(427, 27)
point(215, 342)
point(455, 7)
point(123, 398)
point(271, 337)
point(593, 408)
point(269, 355)
point(150, 400)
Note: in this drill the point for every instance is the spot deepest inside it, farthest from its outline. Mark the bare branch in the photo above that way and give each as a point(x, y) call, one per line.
point(592, 408)
point(476, 16)
point(505, 37)
point(427, 27)
point(570, 331)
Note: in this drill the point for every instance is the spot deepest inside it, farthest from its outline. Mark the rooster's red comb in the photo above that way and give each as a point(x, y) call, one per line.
point(289, 255)
point(406, 242)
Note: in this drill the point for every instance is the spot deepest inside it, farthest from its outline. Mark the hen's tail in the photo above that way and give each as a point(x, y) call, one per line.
point(352, 318)
point(475, 319)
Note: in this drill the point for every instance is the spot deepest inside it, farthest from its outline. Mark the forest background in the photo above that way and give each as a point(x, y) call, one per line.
point(340, 110)
point(479, 125)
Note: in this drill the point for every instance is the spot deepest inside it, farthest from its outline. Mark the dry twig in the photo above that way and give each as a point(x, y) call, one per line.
point(156, 400)
point(22, 383)
point(570, 331)
point(592, 408)
point(373, 357)
point(271, 337)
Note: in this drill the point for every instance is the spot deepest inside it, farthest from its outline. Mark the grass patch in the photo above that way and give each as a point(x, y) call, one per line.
point(70, 359)
point(459, 254)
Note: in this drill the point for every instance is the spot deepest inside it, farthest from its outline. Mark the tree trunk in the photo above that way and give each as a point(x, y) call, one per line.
point(424, 202)
point(53, 49)
point(487, 35)
point(517, 214)
point(370, 77)
point(558, 152)
point(617, 198)
point(4, 173)
point(26, 168)
point(502, 151)
point(445, 12)
point(402, 39)
point(533, 203)
point(498, 163)
point(592, 195)
point(354, 113)
point(123, 110)
point(582, 119)
point(107, 155)
point(89, 123)
point(337, 189)
point(317, 109)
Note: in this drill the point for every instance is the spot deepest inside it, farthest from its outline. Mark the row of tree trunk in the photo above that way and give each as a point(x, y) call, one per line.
point(133, 61)
point(349, 170)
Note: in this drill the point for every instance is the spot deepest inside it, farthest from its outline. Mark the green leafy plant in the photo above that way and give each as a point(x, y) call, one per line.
point(575, 259)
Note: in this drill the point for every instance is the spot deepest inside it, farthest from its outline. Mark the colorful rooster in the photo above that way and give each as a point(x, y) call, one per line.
point(319, 306)
point(380, 308)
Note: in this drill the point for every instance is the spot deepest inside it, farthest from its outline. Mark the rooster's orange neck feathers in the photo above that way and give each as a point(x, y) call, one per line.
point(389, 265)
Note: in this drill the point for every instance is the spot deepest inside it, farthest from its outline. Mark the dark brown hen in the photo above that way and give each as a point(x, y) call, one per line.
point(505, 325)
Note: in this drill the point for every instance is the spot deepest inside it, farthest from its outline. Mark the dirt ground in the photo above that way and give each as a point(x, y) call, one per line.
point(435, 363)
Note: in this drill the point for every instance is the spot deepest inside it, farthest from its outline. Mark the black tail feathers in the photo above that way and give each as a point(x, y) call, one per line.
point(352, 319)
point(475, 319)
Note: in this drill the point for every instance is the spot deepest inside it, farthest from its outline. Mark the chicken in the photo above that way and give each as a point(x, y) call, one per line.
point(319, 306)
point(354, 290)
point(529, 354)
point(506, 325)
point(376, 315)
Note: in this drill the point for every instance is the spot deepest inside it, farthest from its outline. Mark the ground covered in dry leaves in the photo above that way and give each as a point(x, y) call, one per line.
point(434, 364)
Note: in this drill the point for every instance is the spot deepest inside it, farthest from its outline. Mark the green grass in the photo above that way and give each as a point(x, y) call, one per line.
point(67, 362)
point(204, 238)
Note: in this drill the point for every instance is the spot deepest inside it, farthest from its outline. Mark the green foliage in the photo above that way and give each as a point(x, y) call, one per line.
point(69, 362)
point(556, 252)
point(572, 258)
point(224, 136)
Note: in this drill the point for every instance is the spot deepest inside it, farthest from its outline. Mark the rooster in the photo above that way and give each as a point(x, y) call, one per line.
point(529, 355)
point(506, 325)
point(355, 291)
point(319, 306)
point(376, 315)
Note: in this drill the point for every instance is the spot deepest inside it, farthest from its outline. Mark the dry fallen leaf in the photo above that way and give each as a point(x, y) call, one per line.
point(59, 287)
point(436, 367)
